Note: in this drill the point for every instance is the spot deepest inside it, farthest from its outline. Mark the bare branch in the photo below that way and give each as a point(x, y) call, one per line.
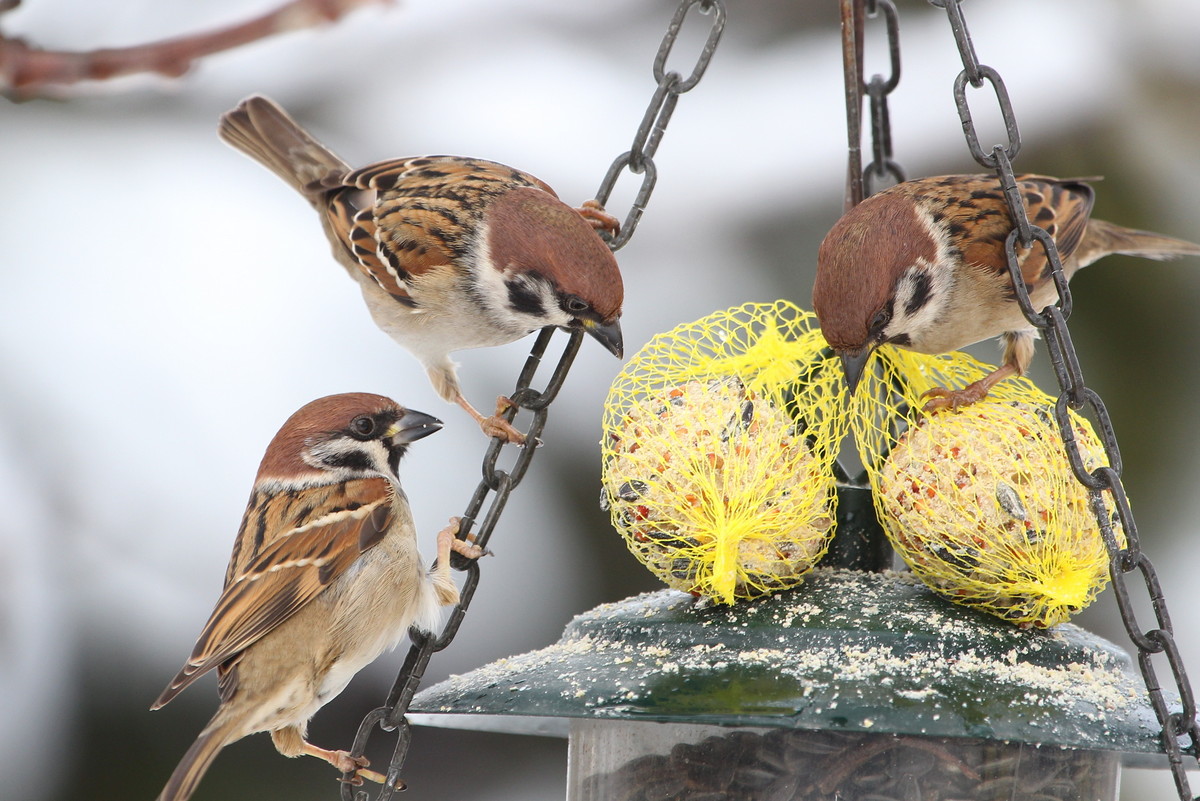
point(27, 71)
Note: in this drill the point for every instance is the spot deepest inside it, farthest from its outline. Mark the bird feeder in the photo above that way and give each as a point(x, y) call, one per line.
point(855, 685)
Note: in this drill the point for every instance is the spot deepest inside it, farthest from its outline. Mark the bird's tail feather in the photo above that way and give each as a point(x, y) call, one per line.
point(195, 763)
point(1104, 237)
point(262, 130)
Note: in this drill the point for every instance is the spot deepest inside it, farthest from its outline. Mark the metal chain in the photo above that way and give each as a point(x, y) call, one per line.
point(1076, 395)
point(639, 159)
point(498, 483)
point(882, 172)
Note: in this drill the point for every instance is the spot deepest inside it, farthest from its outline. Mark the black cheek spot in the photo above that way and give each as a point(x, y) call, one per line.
point(922, 284)
point(354, 460)
point(901, 339)
point(522, 298)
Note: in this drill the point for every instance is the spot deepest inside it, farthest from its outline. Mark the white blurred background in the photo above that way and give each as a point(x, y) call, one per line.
point(166, 304)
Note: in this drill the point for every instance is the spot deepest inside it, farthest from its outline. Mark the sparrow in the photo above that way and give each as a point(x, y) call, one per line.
point(325, 576)
point(450, 252)
point(921, 265)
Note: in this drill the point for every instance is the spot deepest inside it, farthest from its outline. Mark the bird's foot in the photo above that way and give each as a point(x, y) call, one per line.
point(952, 399)
point(593, 212)
point(497, 426)
point(448, 540)
point(955, 399)
point(354, 767)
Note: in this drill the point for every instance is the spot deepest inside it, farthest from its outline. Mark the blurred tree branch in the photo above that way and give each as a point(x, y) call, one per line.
point(27, 71)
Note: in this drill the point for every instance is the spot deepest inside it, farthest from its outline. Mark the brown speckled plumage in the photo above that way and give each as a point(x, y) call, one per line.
point(450, 252)
point(324, 576)
point(922, 265)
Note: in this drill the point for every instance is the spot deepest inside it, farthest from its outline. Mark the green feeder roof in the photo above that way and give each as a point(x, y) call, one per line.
point(847, 650)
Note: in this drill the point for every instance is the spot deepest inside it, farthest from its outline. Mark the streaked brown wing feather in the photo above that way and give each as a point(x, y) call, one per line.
point(1062, 208)
point(423, 217)
point(291, 568)
point(422, 176)
point(976, 202)
point(425, 214)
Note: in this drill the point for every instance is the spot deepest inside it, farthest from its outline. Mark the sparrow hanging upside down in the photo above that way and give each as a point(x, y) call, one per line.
point(921, 265)
point(450, 252)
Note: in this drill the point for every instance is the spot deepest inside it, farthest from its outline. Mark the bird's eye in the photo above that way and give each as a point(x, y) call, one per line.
point(881, 319)
point(362, 426)
point(576, 305)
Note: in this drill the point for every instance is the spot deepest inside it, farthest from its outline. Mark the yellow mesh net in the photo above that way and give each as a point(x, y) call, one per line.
point(720, 438)
point(719, 442)
point(981, 503)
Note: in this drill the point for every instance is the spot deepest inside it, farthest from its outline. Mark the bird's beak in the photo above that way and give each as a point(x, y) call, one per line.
point(413, 425)
point(853, 365)
point(608, 335)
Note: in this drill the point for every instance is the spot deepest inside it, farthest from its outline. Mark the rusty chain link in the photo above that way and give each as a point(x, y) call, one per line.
point(882, 172)
point(1076, 395)
point(639, 159)
point(498, 483)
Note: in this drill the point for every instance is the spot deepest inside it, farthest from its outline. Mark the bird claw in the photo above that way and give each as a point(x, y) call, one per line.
point(356, 779)
point(343, 761)
point(953, 399)
point(448, 540)
point(498, 427)
point(353, 768)
point(468, 549)
point(593, 212)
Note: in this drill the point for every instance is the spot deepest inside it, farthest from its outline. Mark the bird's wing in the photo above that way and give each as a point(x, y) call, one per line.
point(421, 214)
point(1061, 207)
point(288, 569)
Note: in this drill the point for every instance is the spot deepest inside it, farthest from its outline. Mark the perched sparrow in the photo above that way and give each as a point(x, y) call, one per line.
point(921, 265)
point(450, 252)
point(324, 577)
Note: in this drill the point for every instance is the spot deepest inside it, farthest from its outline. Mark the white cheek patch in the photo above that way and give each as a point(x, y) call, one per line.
point(490, 288)
point(493, 293)
point(325, 455)
point(921, 294)
point(924, 289)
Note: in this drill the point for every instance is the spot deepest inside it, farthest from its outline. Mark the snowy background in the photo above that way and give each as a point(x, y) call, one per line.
point(166, 304)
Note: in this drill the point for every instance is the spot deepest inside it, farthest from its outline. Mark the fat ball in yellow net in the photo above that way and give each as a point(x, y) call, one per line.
point(719, 443)
point(981, 503)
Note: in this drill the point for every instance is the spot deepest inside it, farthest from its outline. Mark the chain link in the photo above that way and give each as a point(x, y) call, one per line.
point(883, 172)
point(492, 494)
point(639, 159)
point(1104, 483)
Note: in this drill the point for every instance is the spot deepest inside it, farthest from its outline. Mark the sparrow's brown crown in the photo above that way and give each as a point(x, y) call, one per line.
point(354, 416)
point(859, 263)
point(533, 231)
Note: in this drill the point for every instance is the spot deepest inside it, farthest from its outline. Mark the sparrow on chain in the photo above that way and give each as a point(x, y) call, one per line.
point(324, 577)
point(450, 252)
point(921, 265)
